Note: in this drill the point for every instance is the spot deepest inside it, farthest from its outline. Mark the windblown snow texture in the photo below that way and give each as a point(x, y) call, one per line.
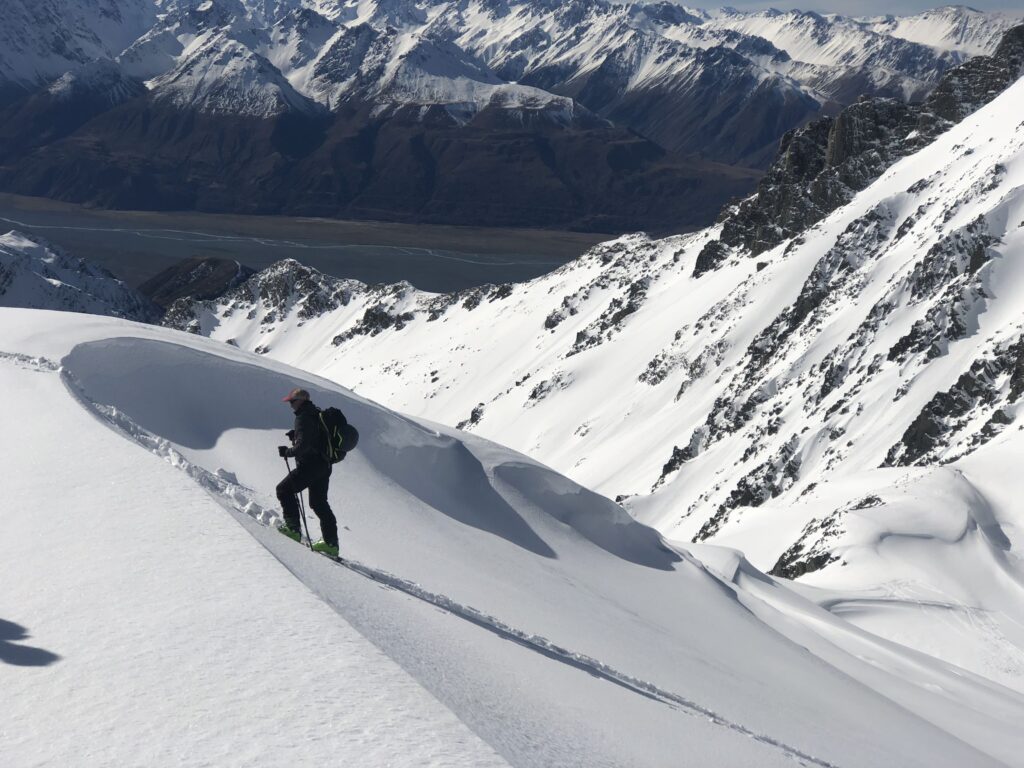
point(435, 521)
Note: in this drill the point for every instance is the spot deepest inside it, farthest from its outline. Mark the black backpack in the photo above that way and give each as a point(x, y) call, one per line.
point(342, 437)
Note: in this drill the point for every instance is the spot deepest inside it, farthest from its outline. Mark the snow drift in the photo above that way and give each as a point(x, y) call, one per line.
point(516, 598)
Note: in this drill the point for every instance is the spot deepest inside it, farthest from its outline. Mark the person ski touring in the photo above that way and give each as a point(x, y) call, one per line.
point(312, 470)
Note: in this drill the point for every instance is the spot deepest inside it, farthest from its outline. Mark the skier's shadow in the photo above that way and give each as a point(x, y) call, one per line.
point(21, 655)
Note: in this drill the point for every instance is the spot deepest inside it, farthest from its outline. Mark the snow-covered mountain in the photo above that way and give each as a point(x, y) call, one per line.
point(822, 165)
point(219, 75)
point(42, 39)
point(841, 59)
point(648, 67)
point(554, 46)
point(840, 405)
point(572, 111)
point(38, 275)
point(951, 28)
point(505, 604)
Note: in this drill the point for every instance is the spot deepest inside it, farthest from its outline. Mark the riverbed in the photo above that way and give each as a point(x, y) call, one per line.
point(136, 245)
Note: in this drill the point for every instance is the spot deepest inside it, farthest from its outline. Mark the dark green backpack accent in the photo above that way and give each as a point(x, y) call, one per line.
point(342, 437)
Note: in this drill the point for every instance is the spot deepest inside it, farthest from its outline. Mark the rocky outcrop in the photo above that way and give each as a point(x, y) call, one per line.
point(198, 278)
point(984, 393)
point(268, 296)
point(822, 165)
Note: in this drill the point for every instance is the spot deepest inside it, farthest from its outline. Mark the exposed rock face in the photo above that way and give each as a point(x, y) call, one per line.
point(63, 107)
point(268, 296)
point(984, 394)
point(968, 87)
point(821, 166)
point(412, 167)
point(198, 278)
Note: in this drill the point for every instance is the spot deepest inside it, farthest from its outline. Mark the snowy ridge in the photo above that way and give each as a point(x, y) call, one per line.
point(951, 28)
point(222, 76)
point(36, 274)
point(393, 68)
point(831, 48)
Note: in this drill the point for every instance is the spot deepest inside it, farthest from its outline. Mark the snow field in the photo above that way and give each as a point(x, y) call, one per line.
point(179, 641)
point(499, 537)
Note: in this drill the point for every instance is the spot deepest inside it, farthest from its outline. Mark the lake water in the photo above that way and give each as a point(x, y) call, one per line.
point(137, 245)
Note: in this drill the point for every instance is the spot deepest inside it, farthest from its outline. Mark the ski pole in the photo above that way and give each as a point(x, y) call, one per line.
point(309, 541)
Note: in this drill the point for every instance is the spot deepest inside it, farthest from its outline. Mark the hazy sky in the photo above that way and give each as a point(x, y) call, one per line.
point(866, 7)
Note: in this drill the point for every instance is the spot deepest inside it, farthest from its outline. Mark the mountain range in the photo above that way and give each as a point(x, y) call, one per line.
point(589, 114)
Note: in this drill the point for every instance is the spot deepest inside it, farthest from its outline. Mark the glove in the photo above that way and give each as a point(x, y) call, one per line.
point(290, 434)
point(282, 451)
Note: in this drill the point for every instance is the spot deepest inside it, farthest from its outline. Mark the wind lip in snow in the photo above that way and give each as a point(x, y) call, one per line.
point(444, 471)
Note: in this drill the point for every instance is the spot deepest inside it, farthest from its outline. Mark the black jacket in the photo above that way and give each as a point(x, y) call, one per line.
point(309, 442)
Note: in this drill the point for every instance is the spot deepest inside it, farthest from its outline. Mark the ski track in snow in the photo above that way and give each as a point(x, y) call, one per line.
point(189, 236)
point(235, 497)
point(28, 362)
point(580, 661)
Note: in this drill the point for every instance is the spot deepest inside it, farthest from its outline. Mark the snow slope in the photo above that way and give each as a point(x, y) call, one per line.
point(951, 27)
point(38, 275)
point(138, 628)
point(183, 648)
point(792, 406)
point(831, 48)
point(539, 357)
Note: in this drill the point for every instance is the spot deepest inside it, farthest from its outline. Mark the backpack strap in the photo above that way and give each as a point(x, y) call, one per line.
point(325, 435)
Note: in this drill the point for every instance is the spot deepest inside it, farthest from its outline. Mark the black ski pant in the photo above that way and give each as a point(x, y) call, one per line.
point(315, 476)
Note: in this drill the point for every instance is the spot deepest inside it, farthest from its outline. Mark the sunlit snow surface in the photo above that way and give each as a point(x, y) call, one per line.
point(927, 258)
point(146, 626)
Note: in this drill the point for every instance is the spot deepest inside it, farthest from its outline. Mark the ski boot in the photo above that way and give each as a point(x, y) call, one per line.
point(325, 549)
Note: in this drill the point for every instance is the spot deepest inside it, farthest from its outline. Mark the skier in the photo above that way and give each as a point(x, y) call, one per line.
point(312, 471)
